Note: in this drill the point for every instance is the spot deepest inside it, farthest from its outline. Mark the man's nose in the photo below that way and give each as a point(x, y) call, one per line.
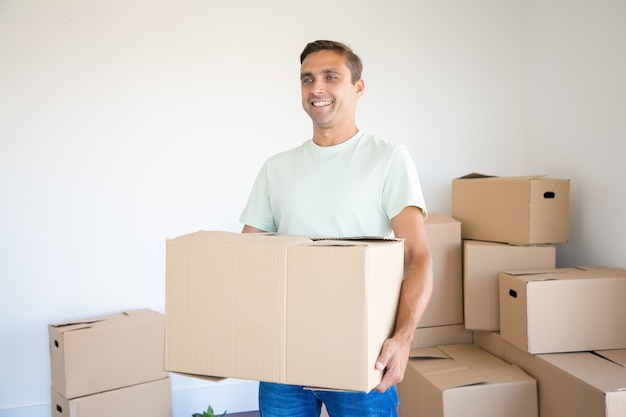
point(319, 86)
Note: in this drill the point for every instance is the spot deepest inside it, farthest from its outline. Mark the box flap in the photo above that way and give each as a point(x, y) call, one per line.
point(428, 353)
point(476, 175)
point(356, 238)
point(81, 324)
point(221, 237)
point(472, 356)
point(456, 378)
point(532, 275)
point(617, 356)
point(537, 272)
point(94, 321)
point(567, 273)
point(602, 272)
point(443, 371)
point(351, 241)
point(590, 267)
point(594, 370)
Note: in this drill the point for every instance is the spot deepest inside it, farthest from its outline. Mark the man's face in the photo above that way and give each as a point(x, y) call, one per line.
point(328, 95)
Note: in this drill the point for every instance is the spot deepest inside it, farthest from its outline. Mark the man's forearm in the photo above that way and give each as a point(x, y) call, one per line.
point(414, 296)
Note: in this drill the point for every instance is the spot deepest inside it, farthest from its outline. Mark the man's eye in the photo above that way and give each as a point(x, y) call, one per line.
point(306, 80)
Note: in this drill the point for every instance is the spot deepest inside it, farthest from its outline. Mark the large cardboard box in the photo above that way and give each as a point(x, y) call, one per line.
point(281, 308)
point(482, 264)
point(576, 384)
point(465, 381)
point(564, 309)
point(98, 354)
point(522, 210)
point(446, 303)
point(152, 399)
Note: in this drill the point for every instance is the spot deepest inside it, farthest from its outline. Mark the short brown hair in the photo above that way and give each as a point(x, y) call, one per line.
point(352, 60)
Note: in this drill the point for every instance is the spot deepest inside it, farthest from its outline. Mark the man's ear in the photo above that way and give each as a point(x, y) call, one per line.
point(360, 87)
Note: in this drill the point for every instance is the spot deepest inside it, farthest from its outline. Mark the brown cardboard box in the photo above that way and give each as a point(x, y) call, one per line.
point(446, 303)
point(465, 381)
point(482, 264)
point(522, 210)
point(281, 308)
point(153, 399)
point(104, 353)
point(576, 384)
point(564, 309)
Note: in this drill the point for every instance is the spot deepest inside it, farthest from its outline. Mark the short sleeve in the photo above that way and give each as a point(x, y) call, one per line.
point(402, 186)
point(258, 212)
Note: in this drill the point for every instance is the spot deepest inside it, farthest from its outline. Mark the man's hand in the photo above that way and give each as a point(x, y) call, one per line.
point(392, 361)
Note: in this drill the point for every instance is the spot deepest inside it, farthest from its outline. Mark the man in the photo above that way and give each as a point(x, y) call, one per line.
point(344, 182)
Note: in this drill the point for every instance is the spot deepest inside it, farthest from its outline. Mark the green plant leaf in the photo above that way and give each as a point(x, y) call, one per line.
point(208, 413)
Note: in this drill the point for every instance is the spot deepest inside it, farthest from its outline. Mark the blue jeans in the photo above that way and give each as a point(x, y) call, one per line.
point(279, 400)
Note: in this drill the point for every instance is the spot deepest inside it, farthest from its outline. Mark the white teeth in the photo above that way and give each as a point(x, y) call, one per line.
point(322, 103)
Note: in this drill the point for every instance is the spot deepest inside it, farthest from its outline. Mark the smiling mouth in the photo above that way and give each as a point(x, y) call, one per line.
point(321, 103)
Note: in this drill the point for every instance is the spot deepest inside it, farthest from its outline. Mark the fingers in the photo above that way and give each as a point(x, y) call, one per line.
point(392, 361)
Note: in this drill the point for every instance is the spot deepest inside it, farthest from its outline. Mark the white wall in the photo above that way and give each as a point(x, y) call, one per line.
point(123, 123)
point(575, 126)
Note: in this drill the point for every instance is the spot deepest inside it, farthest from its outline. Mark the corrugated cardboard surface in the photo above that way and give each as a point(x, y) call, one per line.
point(564, 309)
point(465, 381)
point(522, 210)
point(446, 303)
point(482, 264)
point(226, 304)
point(153, 399)
point(575, 384)
point(358, 287)
point(99, 354)
point(281, 308)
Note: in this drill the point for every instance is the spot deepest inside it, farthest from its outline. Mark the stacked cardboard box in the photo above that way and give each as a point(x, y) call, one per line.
point(447, 375)
point(465, 381)
point(482, 264)
point(442, 322)
point(446, 304)
point(566, 327)
point(515, 210)
point(110, 365)
point(570, 384)
point(554, 323)
point(507, 223)
point(564, 309)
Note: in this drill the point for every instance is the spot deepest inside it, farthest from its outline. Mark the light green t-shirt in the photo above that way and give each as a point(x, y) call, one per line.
point(351, 189)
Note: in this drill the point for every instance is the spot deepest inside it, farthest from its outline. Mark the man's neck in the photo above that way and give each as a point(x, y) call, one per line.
point(335, 136)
